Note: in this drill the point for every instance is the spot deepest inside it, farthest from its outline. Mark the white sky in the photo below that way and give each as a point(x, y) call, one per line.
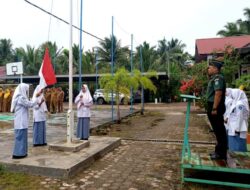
point(147, 20)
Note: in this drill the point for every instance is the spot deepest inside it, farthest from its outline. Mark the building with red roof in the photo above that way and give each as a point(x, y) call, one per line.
point(211, 46)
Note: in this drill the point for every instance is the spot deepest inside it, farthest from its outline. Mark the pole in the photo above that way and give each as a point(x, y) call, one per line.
point(112, 64)
point(70, 111)
point(142, 89)
point(80, 50)
point(21, 78)
point(96, 70)
point(168, 69)
point(131, 66)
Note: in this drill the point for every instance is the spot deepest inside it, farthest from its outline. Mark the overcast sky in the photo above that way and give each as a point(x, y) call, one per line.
point(147, 20)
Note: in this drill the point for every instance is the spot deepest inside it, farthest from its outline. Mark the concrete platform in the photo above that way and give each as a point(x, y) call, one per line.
point(41, 160)
point(60, 164)
point(74, 146)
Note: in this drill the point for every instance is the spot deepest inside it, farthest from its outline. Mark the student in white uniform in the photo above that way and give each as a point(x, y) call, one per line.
point(83, 101)
point(39, 118)
point(238, 121)
point(20, 106)
point(228, 104)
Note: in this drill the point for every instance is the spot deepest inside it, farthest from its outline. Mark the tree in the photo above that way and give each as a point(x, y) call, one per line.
point(149, 56)
point(54, 53)
point(120, 57)
point(62, 62)
point(231, 64)
point(6, 51)
point(144, 83)
point(30, 58)
point(119, 83)
point(231, 29)
point(244, 81)
point(240, 27)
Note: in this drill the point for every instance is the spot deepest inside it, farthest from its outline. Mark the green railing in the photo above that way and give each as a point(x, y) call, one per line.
point(192, 163)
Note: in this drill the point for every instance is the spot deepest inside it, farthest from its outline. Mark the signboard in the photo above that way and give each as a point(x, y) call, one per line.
point(15, 68)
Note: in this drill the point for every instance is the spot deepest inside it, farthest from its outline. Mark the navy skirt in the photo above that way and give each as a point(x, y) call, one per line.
point(235, 143)
point(21, 142)
point(39, 133)
point(83, 128)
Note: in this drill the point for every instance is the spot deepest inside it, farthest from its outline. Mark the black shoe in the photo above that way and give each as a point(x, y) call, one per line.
point(211, 131)
point(19, 157)
point(216, 156)
point(211, 153)
point(45, 144)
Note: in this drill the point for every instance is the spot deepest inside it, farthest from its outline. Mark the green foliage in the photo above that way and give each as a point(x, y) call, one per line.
point(12, 181)
point(231, 65)
point(240, 27)
point(6, 51)
point(144, 80)
point(243, 80)
point(120, 56)
point(2, 169)
point(199, 73)
point(202, 102)
point(119, 83)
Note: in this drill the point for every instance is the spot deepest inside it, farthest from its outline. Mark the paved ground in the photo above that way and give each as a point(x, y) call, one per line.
point(141, 164)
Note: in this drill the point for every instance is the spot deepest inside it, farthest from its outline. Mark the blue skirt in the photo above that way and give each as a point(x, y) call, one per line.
point(83, 128)
point(235, 143)
point(39, 133)
point(21, 142)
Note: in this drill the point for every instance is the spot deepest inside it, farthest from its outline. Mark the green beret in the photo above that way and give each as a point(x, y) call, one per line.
point(216, 63)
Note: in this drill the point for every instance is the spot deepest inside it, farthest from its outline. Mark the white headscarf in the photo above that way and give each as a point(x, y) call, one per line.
point(86, 96)
point(228, 99)
point(228, 102)
point(39, 98)
point(239, 98)
point(21, 90)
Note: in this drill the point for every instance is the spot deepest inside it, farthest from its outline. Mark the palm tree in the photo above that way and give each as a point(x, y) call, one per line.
point(149, 57)
point(232, 29)
point(89, 61)
point(6, 51)
point(62, 62)
point(118, 83)
point(175, 45)
point(144, 82)
point(31, 59)
point(162, 50)
point(245, 24)
point(121, 54)
point(53, 51)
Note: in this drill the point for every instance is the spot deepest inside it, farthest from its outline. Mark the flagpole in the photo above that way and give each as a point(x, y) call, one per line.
point(70, 110)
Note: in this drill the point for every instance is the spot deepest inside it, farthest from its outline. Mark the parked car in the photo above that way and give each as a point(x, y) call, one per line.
point(100, 98)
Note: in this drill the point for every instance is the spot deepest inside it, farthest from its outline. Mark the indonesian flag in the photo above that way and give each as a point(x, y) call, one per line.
point(46, 72)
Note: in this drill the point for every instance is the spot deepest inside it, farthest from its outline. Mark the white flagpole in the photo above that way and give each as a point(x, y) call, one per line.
point(70, 111)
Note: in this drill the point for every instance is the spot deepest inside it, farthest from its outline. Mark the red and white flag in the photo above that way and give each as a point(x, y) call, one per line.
point(46, 72)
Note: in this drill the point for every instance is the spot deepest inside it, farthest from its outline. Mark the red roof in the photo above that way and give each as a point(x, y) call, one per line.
point(210, 45)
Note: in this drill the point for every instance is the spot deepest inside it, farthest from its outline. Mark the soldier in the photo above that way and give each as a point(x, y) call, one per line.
point(60, 98)
point(216, 108)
